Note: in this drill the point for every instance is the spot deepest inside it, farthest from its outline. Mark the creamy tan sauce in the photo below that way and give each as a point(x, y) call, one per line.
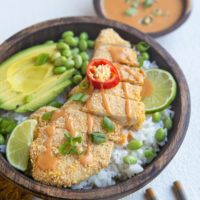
point(46, 160)
point(147, 88)
point(171, 12)
point(127, 104)
point(87, 158)
point(105, 102)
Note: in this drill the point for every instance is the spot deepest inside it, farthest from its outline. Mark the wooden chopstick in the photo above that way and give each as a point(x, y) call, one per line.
point(179, 191)
point(150, 194)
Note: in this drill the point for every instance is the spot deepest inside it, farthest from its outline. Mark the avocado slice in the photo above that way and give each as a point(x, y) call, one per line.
point(21, 78)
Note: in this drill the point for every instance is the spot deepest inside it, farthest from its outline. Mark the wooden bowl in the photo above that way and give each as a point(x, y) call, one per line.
point(52, 30)
point(187, 7)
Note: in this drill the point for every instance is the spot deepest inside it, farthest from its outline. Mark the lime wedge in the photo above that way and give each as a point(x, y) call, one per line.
point(17, 150)
point(163, 92)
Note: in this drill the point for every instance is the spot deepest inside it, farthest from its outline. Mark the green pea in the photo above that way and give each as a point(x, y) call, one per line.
point(55, 55)
point(149, 154)
point(59, 70)
point(62, 46)
point(145, 56)
point(75, 51)
point(67, 33)
point(156, 117)
point(160, 135)
point(60, 61)
point(135, 144)
point(84, 67)
point(168, 123)
point(142, 46)
point(84, 36)
point(77, 79)
point(90, 44)
point(84, 85)
point(66, 52)
point(78, 61)
point(49, 42)
point(70, 64)
point(71, 41)
point(108, 124)
point(130, 160)
point(41, 59)
point(84, 55)
point(2, 140)
point(98, 137)
point(83, 45)
point(28, 99)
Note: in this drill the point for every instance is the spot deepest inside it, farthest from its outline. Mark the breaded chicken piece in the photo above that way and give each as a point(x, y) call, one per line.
point(117, 54)
point(118, 109)
point(68, 170)
point(134, 91)
point(110, 37)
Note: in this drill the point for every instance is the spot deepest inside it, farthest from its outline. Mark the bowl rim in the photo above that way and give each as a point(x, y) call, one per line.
point(152, 170)
point(187, 9)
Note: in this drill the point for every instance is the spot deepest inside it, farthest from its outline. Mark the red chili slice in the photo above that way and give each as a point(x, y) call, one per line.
point(107, 84)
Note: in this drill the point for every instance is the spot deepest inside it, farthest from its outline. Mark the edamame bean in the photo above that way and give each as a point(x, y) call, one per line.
point(67, 33)
point(135, 144)
point(84, 36)
point(62, 46)
point(84, 67)
point(71, 41)
point(75, 51)
point(2, 140)
point(149, 154)
point(90, 44)
point(160, 135)
point(78, 61)
point(130, 160)
point(59, 70)
point(168, 123)
point(61, 61)
point(83, 45)
point(156, 117)
point(77, 79)
point(55, 55)
point(84, 55)
point(66, 52)
point(70, 64)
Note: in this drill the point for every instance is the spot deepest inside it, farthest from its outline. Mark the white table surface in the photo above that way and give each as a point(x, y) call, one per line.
point(183, 44)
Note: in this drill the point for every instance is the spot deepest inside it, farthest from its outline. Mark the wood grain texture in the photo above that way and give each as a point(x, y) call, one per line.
point(52, 30)
point(187, 8)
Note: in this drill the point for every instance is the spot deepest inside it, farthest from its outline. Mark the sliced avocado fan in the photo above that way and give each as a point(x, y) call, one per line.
point(21, 78)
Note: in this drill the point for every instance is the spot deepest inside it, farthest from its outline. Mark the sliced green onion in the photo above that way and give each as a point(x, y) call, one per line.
point(98, 137)
point(108, 125)
point(142, 46)
point(148, 3)
point(41, 59)
point(56, 104)
point(131, 11)
point(47, 116)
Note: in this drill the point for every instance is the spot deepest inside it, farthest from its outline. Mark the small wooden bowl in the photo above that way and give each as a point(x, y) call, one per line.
point(187, 7)
point(51, 30)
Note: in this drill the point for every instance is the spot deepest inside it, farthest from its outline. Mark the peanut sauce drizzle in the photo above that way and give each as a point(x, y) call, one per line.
point(127, 104)
point(88, 157)
point(46, 160)
point(147, 88)
point(105, 102)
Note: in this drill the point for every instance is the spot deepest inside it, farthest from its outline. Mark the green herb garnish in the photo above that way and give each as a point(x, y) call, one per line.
point(47, 116)
point(41, 59)
point(108, 125)
point(79, 97)
point(148, 3)
point(142, 46)
point(70, 146)
point(131, 11)
point(98, 137)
